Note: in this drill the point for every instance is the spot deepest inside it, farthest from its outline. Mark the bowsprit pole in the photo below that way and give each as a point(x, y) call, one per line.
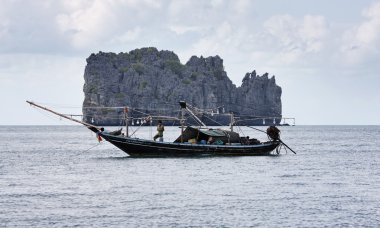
point(287, 146)
point(62, 115)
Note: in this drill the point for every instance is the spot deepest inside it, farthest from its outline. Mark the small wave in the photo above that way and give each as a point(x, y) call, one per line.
point(289, 175)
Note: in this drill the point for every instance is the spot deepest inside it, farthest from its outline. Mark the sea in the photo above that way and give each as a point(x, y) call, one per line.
point(61, 176)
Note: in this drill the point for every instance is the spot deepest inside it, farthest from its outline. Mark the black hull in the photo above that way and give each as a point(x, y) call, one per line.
point(147, 148)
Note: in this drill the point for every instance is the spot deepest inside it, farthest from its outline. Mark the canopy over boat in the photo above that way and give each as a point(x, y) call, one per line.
point(204, 134)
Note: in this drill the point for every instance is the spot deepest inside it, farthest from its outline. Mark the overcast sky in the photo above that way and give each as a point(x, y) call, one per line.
point(325, 54)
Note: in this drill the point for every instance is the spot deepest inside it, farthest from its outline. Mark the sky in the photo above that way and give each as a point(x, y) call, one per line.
point(325, 54)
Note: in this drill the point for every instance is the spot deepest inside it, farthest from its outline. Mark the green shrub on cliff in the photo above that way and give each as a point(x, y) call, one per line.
point(175, 66)
point(143, 84)
point(92, 89)
point(120, 95)
point(123, 69)
point(139, 68)
point(194, 76)
point(218, 74)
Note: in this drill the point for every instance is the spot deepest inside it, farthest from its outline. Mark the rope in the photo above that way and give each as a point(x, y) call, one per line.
point(140, 111)
point(136, 130)
point(257, 129)
point(58, 121)
point(241, 131)
point(214, 121)
point(55, 105)
point(198, 110)
point(90, 148)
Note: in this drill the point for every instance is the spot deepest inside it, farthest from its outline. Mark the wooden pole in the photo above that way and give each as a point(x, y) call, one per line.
point(287, 146)
point(126, 121)
point(182, 123)
point(151, 127)
point(232, 121)
point(231, 126)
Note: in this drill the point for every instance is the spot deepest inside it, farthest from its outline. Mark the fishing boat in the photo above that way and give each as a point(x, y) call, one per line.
point(193, 140)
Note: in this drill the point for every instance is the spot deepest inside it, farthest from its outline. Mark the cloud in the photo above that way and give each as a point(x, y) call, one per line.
point(44, 43)
point(128, 36)
point(87, 24)
point(216, 3)
point(213, 43)
point(369, 31)
point(241, 6)
point(26, 27)
point(187, 13)
point(361, 42)
point(68, 27)
point(296, 37)
point(93, 23)
point(180, 30)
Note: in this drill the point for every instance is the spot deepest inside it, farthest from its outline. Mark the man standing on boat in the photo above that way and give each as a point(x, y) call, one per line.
point(160, 131)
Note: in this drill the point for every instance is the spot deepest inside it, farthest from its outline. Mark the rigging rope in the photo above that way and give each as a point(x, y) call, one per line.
point(214, 121)
point(58, 121)
point(136, 129)
point(241, 131)
point(90, 148)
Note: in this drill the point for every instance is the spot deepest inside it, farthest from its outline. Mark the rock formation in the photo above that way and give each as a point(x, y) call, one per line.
point(149, 80)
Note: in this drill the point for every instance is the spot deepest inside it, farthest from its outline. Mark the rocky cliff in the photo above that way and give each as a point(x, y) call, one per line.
point(149, 80)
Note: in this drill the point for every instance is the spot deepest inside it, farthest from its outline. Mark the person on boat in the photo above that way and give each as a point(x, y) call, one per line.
point(210, 140)
point(160, 130)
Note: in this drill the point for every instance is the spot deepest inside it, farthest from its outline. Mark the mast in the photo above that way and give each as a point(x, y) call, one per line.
point(196, 117)
point(183, 107)
point(232, 121)
point(151, 123)
point(126, 120)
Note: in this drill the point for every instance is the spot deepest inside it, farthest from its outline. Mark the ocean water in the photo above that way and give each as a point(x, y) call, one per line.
point(54, 176)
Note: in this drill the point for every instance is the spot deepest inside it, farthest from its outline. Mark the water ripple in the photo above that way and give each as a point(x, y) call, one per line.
point(49, 179)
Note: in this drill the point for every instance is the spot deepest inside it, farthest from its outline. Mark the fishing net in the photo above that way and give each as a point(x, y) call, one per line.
point(273, 132)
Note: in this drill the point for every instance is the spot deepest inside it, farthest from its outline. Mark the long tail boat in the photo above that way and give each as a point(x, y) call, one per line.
point(193, 141)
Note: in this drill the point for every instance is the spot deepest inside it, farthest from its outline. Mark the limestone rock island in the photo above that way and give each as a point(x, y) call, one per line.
point(152, 81)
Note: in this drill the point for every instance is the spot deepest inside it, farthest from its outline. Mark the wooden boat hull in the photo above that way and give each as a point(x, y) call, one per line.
point(147, 148)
